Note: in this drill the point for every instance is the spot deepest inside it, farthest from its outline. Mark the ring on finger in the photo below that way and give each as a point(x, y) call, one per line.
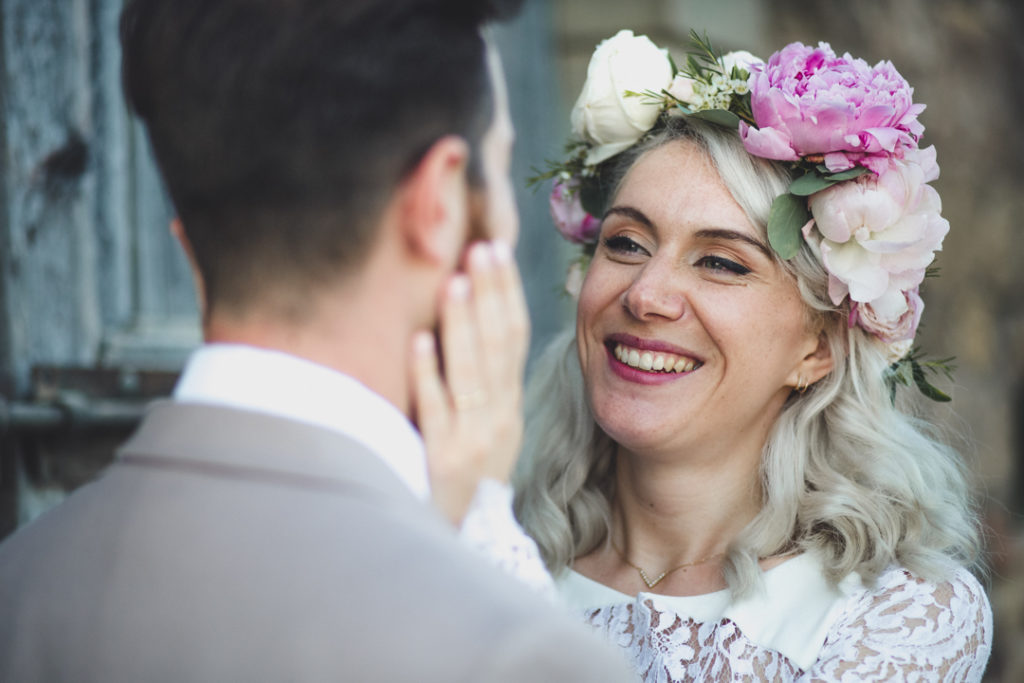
point(469, 400)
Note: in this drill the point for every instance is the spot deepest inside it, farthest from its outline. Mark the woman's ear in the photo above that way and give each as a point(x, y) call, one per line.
point(814, 365)
point(178, 230)
point(434, 203)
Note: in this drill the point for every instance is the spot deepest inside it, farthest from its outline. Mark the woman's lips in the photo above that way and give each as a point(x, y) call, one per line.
point(648, 362)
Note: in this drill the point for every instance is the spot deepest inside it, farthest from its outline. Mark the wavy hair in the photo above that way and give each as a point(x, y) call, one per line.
point(845, 473)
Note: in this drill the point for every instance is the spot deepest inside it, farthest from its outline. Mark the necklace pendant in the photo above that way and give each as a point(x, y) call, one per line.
point(651, 583)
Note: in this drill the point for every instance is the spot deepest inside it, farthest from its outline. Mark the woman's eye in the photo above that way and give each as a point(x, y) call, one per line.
point(717, 263)
point(621, 244)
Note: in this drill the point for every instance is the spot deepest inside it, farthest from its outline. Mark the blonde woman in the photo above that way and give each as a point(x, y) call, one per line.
point(722, 470)
point(716, 471)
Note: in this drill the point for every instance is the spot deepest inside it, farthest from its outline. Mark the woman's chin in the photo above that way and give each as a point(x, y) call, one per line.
point(637, 435)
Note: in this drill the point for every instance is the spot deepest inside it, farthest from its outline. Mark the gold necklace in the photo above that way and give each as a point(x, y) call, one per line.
point(651, 583)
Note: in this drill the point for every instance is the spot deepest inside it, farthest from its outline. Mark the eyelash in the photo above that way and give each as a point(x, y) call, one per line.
point(719, 263)
point(623, 245)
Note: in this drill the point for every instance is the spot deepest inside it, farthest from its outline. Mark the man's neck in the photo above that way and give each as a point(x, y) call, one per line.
point(359, 337)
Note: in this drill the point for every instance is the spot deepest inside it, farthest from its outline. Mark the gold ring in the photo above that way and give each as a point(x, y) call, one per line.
point(470, 400)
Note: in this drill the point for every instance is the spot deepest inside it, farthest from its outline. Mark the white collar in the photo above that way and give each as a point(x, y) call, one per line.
point(277, 383)
point(792, 615)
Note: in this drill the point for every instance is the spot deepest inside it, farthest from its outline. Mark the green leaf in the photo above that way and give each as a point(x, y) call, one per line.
point(672, 63)
point(808, 184)
point(593, 195)
point(788, 215)
point(926, 388)
point(848, 174)
point(904, 372)
point(720, 117)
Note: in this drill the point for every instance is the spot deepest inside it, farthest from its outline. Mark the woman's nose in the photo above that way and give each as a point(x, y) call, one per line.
point(655, 293)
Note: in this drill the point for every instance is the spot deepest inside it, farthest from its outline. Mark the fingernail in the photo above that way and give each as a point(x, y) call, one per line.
point(479, 257)
point(458, 288)
point(423, 343)
point(502, 251)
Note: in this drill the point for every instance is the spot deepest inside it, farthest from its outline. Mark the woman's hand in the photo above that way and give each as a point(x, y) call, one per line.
point(471, 417)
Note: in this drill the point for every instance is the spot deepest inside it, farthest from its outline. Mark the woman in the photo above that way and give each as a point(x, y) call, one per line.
point(716, 470)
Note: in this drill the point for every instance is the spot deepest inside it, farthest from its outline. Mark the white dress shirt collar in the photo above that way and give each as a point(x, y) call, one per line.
point(283, 385)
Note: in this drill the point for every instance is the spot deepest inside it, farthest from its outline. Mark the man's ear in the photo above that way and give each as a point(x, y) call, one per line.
point(433, 211)
point(178, 230)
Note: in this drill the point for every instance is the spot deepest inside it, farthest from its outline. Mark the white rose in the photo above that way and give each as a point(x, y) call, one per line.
point(604, 115)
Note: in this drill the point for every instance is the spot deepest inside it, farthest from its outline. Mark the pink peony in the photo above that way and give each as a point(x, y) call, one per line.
point(808, 101)
point(878, 234)
point(892, 318)
point(575, 224)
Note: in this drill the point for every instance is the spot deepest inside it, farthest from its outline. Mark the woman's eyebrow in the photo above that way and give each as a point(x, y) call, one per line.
point(706, 233)
point(735, 235)
point(629, 212)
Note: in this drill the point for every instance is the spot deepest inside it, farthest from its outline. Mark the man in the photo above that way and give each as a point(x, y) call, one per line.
point(329, 162)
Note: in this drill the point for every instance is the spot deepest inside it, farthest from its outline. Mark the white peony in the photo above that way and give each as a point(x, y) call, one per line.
point(878, 234)
point(604, 114)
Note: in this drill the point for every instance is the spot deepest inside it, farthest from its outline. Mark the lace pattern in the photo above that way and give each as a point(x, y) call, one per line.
point(902, 629)
point(491, 529)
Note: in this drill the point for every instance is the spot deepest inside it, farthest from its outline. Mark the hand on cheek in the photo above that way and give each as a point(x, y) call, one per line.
point(470, 415)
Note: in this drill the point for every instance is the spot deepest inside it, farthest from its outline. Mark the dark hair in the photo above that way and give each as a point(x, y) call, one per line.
point(281, 127)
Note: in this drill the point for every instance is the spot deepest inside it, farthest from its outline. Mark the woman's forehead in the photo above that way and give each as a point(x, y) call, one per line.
point(677, 182)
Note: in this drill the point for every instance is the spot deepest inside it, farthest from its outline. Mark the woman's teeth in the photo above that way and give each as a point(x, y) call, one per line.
point(654, 361)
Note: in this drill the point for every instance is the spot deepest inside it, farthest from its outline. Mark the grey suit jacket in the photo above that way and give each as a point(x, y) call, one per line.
point(225, 545)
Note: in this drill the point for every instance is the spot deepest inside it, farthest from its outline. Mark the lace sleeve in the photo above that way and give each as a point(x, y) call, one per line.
point(492, 529)
point(907, 629)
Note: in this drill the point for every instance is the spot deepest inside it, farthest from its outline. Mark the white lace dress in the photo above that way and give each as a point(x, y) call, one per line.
point(799, 628)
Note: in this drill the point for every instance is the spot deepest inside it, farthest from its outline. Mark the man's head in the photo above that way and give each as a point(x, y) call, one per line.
point(283, 127)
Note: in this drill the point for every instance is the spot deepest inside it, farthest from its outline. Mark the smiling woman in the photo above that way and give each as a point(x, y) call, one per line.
point(716, 469)
point(680, 268)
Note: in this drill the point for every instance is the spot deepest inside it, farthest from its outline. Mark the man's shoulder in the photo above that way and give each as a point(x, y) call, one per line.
point(353, 574)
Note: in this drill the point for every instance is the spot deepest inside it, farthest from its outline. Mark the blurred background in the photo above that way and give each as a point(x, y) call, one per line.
point(96, 307)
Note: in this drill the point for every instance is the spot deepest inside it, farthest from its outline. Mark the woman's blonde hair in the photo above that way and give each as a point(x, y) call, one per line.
point(845, 472)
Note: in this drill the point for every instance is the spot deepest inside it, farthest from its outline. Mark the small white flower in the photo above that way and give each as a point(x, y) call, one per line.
point(898, 350)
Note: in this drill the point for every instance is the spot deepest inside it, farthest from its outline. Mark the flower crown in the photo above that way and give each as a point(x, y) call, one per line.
point(849, 132)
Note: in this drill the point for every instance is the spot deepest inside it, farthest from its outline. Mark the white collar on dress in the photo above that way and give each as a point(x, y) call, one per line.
point(279, 384)
point(792, 615)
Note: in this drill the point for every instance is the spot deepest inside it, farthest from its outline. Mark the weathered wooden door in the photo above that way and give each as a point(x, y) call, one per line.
point(92, 288)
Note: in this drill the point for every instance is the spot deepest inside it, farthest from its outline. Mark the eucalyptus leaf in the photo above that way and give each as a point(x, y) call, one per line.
point(847, 175)
point(904, 373)
point(926, 388)
point(720, 117)
point(788, 215)
point(808, 184)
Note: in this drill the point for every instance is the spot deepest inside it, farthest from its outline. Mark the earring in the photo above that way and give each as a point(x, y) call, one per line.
point(801, 384)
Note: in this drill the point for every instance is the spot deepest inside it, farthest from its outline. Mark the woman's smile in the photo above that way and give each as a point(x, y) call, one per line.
point(648, 361)
point(678, 259)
